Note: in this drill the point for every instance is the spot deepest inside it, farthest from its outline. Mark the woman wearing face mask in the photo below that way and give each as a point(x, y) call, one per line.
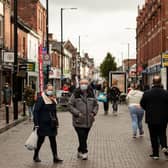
point(83, 106)
point(46, 122)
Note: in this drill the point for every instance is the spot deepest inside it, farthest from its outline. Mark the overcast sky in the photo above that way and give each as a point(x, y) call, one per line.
point(101, 24)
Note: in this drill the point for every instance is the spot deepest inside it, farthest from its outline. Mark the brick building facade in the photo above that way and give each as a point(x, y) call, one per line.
point(152, 38)
point(34, 14)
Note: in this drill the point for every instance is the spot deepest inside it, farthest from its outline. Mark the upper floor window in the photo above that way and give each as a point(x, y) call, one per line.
point(24, 47)
point(1, 27)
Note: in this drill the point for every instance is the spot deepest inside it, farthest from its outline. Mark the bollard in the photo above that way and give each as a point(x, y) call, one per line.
point(24, 108)
point(7, 113)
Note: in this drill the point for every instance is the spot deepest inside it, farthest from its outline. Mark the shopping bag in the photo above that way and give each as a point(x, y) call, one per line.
point(102, 97)
point(31, 142)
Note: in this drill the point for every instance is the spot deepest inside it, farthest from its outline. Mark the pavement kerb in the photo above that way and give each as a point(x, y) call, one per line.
point(12, 124)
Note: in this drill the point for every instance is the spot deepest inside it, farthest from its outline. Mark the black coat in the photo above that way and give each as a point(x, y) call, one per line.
point(42, 118)
point(155, 104)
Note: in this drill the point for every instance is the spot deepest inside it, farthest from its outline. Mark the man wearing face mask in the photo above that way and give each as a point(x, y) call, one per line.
point(83, 106)
point(46, 122)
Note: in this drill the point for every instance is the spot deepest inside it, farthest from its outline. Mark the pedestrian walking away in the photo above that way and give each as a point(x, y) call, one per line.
point(133, 99)
point(7, 94)
point(29, 97)
point(155, 104)
point(46, 121)
point(83, 106)
point(106, 91)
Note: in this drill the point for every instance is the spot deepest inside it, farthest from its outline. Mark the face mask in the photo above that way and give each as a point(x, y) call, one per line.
point(84, 86)
point(49, 93)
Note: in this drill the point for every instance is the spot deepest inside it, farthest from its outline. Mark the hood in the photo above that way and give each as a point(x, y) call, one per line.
point(135, 93)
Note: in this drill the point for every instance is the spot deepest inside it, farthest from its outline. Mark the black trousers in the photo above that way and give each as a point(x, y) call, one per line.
point(115, 105)
point(106, 106)
point(53, 145)
point(157, 137)
point(82, 137)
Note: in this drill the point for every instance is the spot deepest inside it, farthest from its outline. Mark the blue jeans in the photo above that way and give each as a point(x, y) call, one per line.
point(137, 114)
point(30, 109)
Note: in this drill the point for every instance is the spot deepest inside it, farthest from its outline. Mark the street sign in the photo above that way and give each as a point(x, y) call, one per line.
point(46, 59)
point(44, 51)
point(31, 66)
point(165, 59)
point(8, 57)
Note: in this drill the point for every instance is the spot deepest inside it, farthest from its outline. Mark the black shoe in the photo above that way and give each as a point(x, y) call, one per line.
point(36, 159)
point(57, 160)
point(154, 157)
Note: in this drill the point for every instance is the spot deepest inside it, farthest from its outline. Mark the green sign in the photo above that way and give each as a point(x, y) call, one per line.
point(31, 66)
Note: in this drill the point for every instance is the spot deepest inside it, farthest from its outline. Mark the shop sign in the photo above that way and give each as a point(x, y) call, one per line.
point(8, 57)
point(165, 60)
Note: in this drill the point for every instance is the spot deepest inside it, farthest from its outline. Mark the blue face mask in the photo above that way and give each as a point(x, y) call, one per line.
point(49, 93)
point(83, 87)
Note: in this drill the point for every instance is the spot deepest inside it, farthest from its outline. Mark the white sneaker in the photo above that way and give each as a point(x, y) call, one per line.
point(84, 156)
point(79, 155)
point(165, 151)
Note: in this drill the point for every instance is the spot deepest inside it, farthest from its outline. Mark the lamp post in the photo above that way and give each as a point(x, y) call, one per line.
point(15, 79)
point(62, 68)
point(47, 41)
point(128, 58)
point(79, 49)
point(134, 29)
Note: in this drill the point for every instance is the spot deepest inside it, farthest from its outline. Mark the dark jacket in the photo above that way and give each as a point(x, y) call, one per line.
point(43, 114)
point(83, 108)
point(29, 96)
point(155, 104)
point(114, 93)
point(7, 93)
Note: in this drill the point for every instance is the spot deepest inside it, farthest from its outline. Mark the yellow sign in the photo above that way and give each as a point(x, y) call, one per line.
point(165, 56)
point(30, 66)
point(165, 60)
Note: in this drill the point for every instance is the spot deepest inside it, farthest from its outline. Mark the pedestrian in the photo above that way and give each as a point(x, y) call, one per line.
point(30, 100)
point(72, 87)
point(155, 104)
point(133, 98)
point(83, 106)
point(114, 95)
point(65, 87)
point(46, 122)
point(106, 91)
point(7, 94)
point(130, 87)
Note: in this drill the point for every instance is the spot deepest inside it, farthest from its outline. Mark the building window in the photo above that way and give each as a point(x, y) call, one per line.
point(1, 32)
point(24, 47)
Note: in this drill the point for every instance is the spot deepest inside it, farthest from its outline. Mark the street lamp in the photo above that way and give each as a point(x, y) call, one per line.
point(128, 57)
point(47, 41)
point(134, 29)
point(79, 47)
point(15, 78)
point(62, 71)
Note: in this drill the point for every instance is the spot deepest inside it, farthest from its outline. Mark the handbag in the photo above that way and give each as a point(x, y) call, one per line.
point(31, 142)
point(102, 97)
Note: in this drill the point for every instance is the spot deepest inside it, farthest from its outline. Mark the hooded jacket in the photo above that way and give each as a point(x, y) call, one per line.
point(134, 97)
point(83, 108)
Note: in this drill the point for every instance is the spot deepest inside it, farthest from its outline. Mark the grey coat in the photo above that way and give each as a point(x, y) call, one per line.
point(83, 108)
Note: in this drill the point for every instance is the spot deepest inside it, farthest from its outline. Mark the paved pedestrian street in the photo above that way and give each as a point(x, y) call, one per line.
point(110, 145)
